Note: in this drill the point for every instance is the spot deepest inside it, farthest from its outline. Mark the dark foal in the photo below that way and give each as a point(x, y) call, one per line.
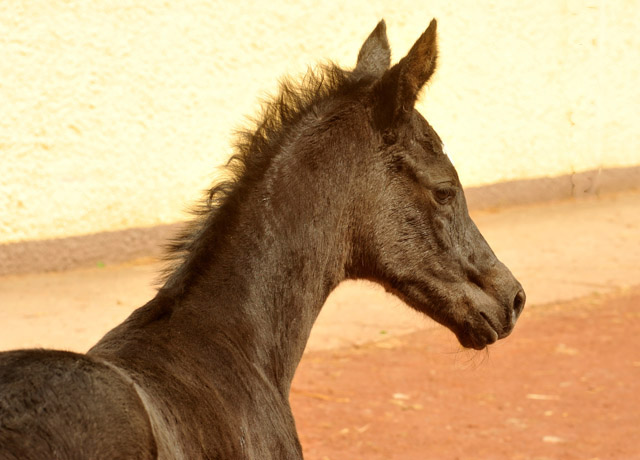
point(342, 178)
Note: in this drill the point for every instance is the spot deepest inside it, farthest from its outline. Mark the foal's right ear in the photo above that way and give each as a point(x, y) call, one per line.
point(374, 57)
point(399, 87)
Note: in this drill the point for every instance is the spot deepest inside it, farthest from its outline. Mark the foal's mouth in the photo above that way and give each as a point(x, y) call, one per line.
point(482, 331)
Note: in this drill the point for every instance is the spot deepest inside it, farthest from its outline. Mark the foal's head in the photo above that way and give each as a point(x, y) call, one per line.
point(413, 232)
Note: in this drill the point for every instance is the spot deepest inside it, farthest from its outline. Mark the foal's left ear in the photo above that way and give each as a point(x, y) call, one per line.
point(374, 57)
point(401, 84)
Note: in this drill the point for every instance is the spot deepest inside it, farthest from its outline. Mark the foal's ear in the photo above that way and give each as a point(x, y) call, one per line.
point(401, 84)
point(374, 57)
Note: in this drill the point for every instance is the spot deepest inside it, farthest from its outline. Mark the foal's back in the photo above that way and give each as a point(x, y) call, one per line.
point(63, 405)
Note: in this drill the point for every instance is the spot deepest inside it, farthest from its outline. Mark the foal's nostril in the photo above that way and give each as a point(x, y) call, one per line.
point(518, 302)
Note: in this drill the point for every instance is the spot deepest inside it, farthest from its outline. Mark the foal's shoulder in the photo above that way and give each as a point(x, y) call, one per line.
point(59, 404)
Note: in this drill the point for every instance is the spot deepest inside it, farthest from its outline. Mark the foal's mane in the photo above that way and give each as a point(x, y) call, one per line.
point(255, 147)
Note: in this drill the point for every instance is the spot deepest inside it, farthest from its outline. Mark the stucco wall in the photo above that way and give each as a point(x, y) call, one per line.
point(115, 114)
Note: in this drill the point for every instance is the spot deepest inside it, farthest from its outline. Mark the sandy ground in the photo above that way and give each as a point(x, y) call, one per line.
point(559, 251)
point(564, 386)
point(379, 381)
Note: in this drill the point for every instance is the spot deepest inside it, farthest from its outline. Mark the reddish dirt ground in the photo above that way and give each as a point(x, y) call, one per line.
point(564, 385)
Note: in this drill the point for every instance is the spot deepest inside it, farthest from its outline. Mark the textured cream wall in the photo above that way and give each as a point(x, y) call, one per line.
point(114, 114)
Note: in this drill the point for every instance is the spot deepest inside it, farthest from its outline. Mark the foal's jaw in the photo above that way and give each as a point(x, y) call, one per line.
point(478, 312)
point(476, 319)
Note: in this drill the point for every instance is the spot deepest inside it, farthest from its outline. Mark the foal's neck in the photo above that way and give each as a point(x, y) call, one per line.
point(271, 268)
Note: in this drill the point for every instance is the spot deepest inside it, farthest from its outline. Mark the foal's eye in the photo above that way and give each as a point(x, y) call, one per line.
point(444, 195)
